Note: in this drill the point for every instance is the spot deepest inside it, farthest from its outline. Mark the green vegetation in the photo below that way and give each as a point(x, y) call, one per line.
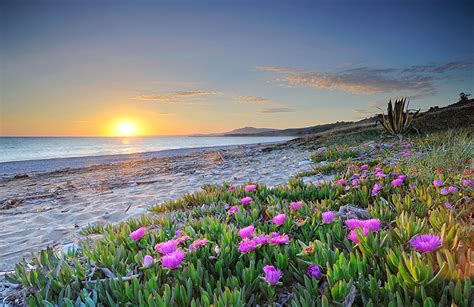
point(420, 186)
point(398, 119)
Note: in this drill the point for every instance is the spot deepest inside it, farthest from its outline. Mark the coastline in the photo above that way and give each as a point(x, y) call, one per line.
point(12, 168)
point(58, 204)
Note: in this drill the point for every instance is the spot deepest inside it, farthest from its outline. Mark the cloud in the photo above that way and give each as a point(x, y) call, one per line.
point(253, 100)
point(277, 69)
point(177, 96)
point(414, 81)
point(276, 110)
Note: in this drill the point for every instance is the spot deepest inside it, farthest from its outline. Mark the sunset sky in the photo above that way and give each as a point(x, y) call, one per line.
point(176, 67)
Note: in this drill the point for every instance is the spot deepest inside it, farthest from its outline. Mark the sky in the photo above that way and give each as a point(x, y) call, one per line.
point(83, 68)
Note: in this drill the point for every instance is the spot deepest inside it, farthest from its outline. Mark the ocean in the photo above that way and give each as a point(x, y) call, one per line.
point(39, 148)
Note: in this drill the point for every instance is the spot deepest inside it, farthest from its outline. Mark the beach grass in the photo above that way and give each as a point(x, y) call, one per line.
point(392, 229)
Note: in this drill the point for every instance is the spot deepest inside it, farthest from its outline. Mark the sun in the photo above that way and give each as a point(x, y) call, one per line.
point(125, 128)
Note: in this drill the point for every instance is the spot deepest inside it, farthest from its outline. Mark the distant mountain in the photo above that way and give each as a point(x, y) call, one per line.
point(250, 130)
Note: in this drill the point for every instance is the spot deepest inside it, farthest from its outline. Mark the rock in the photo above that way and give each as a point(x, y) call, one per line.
point(321, 150)
point(21, 176)
point(350, 212)
point(304, 162)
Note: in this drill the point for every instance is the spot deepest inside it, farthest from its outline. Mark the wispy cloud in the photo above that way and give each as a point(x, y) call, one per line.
point(276, 110)
point(413, 81)
point(177, 96)
point(253, 100)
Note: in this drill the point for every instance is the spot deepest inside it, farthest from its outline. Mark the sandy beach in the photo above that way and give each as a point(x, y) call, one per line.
point(49, 208)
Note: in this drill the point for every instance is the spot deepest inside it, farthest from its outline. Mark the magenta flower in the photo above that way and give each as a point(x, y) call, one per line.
point(364, 167)
point(437, 183)
point(147, 261)
point(444, 191)
point(341, 182)
point(426, 243)
point(178, 233)
point(246, 246)
point(380, 175)
point(167, 247)
point(452, 189)
point(138, 234)
point(250, 187)
point(397, 182)
point(278, 239)
point(247, 232)
point(233, 209)
point(402, 177)
point(376, 189)
point(261, 239)
point(328, 217)
point(378, 170)
point(447, 205)
point(356, 175)
point(314, 271)
point(232, 188)
point(354, 223)
point(353, 237)
point(466, 183)
point(296, 205)
point(372, 224)
point(173, 260)
point(279, 219)
point(272, 274)
point(246, 200)
point(355, 182)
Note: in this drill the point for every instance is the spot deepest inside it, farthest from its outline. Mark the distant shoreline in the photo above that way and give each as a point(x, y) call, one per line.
point(12, 168)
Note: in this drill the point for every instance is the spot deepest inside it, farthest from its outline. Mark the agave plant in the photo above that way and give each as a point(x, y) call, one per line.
point(398, 119)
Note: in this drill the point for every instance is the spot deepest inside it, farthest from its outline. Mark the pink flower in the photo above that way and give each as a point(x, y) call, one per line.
point(173, 260)
point(200, 242)
point(167, 247)
point(250, 187)
point(261, 239)
point(377, 187)
point(397, 182)
point(279, 239)
point(380, 175)
point(452, 189)
point(182, 239)
point(372, 224)
point(354, 223)
point(444, 191)
point(233, 209)
point(364, 167)
point(341, 182)
point(232, 188)
point(437, 183)
point(353, 237)
point(279, 219)
point(296, 205)
point(466, 183)
point(247, 232)
point(147, 261)
point(314, 271)
point(426, 243)
point(246, 200)
point(402, 177)
point(138, 234)
point(272, 274)
point(378, 170)
point(246, 246)
point(328, 217)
